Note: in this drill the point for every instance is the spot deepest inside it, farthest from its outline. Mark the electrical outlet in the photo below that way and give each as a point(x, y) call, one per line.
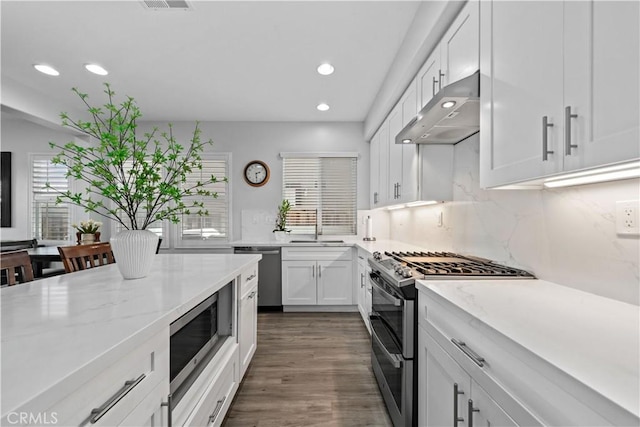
point(627, 219)
point(440, 219)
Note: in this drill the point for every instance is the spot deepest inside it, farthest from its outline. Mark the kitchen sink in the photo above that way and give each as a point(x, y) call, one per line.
point(316, 241)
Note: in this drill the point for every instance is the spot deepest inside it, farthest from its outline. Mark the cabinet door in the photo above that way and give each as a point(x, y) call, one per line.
point(485, 411)
point(374, 162)
point(362, 289)
point(459, 48)
point(383, 176)
point(299, 283)
point(335, 286)
point(521, 82)
point(428, 78)
point(395, 154)
point(439, 377)
point(248, 327)
point(408, 189)
point(602, 77)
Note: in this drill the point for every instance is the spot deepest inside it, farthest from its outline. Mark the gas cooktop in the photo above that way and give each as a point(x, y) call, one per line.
point(403, 268)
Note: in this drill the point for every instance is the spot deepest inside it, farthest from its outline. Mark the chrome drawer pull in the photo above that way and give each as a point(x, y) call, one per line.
point(250, 277)
point(251, 295)
point(466, 350)
point(98, 413)
point(545, 138)
point(471, 411)
point(215, 412)
point(567, 130)
point(456, 392)
point(169, 410)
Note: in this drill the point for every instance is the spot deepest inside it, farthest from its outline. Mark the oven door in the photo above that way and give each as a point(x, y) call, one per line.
point(393, 373)
point(394, 311)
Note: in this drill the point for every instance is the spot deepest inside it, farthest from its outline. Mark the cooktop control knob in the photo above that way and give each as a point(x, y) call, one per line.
point(377, 256)
point(406, 272)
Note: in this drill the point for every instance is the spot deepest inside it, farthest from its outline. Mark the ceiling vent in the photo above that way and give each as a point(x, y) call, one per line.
point(166, 4)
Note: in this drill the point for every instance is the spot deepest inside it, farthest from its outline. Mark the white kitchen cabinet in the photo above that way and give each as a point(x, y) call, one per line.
point(394, 155)
point(447, 392)
point(456, 56)
point(379, 163)
point(364, 297)
point(248, 325)
point(139, 381)
point(557, 75)
point(317, 276)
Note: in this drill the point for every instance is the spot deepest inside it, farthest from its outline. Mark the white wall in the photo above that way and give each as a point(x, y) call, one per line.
point(565, 235)
point(22, 137)
point(264, 141)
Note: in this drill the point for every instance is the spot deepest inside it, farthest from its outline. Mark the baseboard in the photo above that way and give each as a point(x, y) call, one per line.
point(320, 308)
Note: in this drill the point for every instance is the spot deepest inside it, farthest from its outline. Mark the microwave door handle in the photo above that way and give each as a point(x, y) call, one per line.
point(395, 359)
point(397, 302)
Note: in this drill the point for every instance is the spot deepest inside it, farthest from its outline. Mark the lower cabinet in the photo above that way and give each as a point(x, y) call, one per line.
point(129, 392)
point(447, 393)
point(364, 287)
point(317, 276)
point(248, 326)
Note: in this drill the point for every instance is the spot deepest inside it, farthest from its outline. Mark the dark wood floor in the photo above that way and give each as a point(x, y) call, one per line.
point(310, 369)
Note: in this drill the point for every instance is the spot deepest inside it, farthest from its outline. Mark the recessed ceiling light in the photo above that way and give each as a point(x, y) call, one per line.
point(448, 104)
point(96, 69)
point(325, 69)
point(322, 107)
point(46, 69)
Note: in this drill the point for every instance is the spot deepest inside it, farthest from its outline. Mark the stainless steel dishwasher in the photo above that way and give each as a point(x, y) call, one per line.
point(269, 276)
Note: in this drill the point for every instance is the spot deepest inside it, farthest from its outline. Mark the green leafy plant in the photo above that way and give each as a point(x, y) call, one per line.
point(145, 178)
point(87, 227)
point(281, 219)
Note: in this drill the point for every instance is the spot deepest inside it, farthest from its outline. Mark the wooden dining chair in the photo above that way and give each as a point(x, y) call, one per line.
point(18, 264)
point(82, 257)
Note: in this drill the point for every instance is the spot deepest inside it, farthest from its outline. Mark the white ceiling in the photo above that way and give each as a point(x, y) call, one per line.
point(219, 61)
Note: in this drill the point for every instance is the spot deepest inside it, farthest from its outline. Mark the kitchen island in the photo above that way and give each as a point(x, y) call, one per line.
point(61, 332)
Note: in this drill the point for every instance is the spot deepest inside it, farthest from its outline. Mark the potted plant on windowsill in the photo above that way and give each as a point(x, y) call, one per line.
point(132, 179)
point(281, 231)
point(87, 231)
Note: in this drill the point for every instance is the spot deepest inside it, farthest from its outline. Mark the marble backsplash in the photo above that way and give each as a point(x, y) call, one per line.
point(566, 236)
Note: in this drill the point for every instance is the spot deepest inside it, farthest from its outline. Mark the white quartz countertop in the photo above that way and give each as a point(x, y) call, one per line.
point(369, 246)
point(57, 332)
point(595, 340)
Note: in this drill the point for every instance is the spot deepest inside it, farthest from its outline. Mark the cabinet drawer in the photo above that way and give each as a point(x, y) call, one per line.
point(317, 253)
point(217, 397)
point(248, 278)
point(511, 373)
point(128, 382)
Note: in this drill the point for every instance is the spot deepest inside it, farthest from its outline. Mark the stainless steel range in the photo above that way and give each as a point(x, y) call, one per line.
point(394, 319)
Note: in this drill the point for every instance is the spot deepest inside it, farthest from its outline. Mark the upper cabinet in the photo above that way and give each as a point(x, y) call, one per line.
point(559, 88)
point(455, 57)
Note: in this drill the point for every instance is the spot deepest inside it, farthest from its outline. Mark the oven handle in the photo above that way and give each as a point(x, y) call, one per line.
point(397, 302)
point(395, 359)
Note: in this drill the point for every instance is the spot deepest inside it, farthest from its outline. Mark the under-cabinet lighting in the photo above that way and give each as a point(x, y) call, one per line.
point(421, 203)
point(608, 173)
point(406, 141)
point(46, 69)
point(394, 207)
point(96, 69)
point(322, 107)
point(448, 104)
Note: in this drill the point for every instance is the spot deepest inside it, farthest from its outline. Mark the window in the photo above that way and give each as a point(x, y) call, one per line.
point(213, 227)
point(49, 221)
point(321, 190)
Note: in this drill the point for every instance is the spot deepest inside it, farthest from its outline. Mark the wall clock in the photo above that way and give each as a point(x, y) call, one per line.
point(256, 173)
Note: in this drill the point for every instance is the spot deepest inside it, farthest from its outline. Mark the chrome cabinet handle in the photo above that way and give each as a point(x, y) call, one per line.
point(567, 130)
point(545, 138)
point(362, 280)
point(169, 411)
point(375, 198)
point(251, 295)
point(471, 411)
point(250, 277)
point(456, 418)
point(395, 359)
point(433, 86)
point(466, 350)
point(319, 271)
point(441, 74)
point(217, 409)
point(98, 413)
point(399, 195)
point(313, 271)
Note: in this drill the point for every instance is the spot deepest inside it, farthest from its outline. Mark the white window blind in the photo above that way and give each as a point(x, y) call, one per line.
point(320, 190)
point(49, 221)
point(215, 225)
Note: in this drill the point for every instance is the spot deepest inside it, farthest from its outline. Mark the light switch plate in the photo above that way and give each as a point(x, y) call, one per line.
point(627, 218)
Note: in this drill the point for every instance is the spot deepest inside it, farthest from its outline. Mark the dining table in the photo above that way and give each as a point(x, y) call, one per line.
point(42, 255)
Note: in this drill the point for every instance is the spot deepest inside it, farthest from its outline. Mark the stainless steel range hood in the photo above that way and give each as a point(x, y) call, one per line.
point(452, 115)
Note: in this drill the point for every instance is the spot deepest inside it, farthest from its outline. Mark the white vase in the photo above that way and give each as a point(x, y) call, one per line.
point(134, 251)
point(87, 238)
point(281, 236)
